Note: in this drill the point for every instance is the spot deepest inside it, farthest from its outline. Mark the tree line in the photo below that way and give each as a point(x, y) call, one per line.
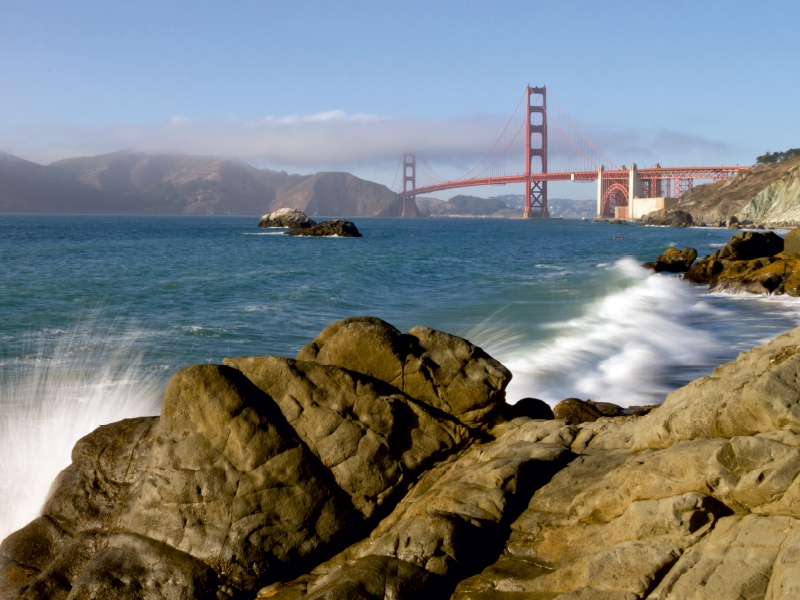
point(773, 157)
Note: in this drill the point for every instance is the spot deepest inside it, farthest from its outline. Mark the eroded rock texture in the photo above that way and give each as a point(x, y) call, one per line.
point(385, 465)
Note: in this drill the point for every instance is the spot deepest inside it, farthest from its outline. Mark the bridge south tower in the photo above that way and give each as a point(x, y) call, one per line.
point(536, 150)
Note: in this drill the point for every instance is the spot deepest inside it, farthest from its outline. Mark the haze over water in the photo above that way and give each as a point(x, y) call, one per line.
point(96, 313)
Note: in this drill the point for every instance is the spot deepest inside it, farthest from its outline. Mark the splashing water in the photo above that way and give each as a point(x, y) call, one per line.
point(633, 346)
point(64, 386)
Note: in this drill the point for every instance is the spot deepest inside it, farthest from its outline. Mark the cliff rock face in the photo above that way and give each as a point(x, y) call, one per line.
point(765, 194)
point(382, 464)
point(779, 202)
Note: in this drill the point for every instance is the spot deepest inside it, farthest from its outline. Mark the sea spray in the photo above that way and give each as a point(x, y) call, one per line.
point(632, 346)
point(62, 386)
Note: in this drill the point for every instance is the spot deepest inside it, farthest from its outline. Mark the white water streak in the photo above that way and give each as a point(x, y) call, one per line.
point(59, 392)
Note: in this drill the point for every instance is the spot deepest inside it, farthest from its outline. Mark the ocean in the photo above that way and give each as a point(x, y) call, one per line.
point(96, 312)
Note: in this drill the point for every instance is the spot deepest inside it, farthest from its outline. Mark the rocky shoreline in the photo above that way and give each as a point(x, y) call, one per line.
point(382, 464)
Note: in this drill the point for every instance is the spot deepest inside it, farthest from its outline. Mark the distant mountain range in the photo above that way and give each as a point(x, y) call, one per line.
point(134, 183)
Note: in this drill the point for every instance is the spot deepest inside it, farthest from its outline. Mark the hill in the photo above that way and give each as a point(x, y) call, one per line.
point(341, 194)
point(766, 194)
point(135, 183)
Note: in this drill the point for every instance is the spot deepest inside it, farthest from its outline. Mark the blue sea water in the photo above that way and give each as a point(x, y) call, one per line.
point(96, 312)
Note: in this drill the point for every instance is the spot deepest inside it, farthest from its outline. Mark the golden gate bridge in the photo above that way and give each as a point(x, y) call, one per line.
point(539, 145)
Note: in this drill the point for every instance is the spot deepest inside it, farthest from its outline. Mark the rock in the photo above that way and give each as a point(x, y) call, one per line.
point(575, 411)
point(231, 484)
point(664, 217)
point(791, 242)
point(675, 261)
point(439, 369)
point(533, 408)
point(704, 271)
point(313, 481)
point(753, 394)
point(372, 437)
point(618, 221)
point(337, 228)
point(749, 245)
point(286, 218)
point(452, 510)
point(731, 221)
point(106, 471)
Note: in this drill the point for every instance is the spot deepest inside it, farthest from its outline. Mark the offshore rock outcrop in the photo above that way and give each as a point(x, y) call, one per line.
point(290, 218)
point(382, 464)
point(337, 227)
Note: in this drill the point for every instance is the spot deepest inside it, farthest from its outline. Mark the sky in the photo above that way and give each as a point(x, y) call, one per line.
point(305, 86)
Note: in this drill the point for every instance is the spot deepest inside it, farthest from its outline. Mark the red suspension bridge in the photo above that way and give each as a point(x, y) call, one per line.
point(539, 145)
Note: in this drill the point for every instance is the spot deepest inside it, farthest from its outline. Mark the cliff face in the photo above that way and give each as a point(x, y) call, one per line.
point(716, 202)
point(341, 194)
point(132, 183)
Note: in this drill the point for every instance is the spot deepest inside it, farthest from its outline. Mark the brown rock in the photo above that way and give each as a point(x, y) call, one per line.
point(440, 369)
point(373, 438)
point(575, 411)
point(231, 484)
point(675, 261)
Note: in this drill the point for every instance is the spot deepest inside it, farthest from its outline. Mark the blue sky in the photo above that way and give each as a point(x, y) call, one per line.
point(306, 86)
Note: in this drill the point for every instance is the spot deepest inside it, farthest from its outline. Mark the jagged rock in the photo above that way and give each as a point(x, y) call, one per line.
point(286, 218)
point(675, 261)
point(372, 437)
point(442, 370)
point(668, 218)
point(575, 411)
point(337, 227)
point(704, 270)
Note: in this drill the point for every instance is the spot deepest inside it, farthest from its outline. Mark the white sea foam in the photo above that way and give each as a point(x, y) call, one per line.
point(58, 392)
point(623, 349)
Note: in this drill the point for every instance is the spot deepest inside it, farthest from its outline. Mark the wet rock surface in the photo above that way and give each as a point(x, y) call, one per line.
point(286, 218)
point(337, 228)
point(373, 467)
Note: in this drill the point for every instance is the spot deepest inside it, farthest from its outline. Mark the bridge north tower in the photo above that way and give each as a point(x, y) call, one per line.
point(536, 147)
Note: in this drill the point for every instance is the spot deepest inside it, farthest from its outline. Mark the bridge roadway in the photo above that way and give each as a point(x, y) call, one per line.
point(714, 173)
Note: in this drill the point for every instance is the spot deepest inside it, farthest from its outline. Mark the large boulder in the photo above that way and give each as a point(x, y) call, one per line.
point(437, 368)
point(668, 218)
point(373, 438)
point(335, 228)
point(230, 482)
point(283, 218)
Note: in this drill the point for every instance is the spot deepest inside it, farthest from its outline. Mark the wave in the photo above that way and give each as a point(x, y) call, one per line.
point(627, 347)
point(60, 389)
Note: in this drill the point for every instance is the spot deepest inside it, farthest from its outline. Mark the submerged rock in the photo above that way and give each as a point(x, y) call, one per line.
point(337, 227)
point(286, 217)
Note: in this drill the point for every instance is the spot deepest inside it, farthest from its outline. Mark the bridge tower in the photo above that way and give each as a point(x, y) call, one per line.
point(536, 124)
point(409, 176)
